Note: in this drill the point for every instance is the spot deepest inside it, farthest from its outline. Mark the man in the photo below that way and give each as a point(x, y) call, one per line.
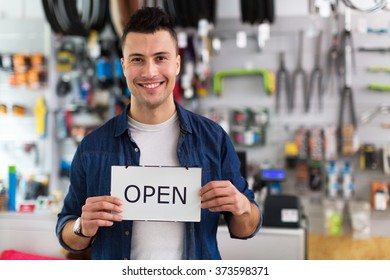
point(154, 130)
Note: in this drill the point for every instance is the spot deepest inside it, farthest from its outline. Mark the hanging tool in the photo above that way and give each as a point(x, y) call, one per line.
point(374, 49)
point(346, 39)
point(283, 80)
point(316, 77)
point(367, 116)
point(379, 87)
point(347, 94)
point(377, 69)
point(346, 133)
point(376, 86)
point(299, 72)
point(333, 56)
point(332, 70)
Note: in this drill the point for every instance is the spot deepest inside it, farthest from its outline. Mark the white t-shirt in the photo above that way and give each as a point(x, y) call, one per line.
point(153, 240)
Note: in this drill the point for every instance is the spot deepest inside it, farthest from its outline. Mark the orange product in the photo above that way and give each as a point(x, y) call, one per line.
point(21, 79)
point(379, 187)
point(33, 79)
point(21, 62)
point(3, 109)
point(18, 110)
point(37, 60)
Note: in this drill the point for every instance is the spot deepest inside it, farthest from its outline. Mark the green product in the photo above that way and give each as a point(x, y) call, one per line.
point(218, 77)
point(335, 224)
point(377, 69)
point(379, 87)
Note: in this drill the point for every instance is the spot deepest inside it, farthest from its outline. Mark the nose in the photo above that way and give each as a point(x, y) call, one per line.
point(149, 69)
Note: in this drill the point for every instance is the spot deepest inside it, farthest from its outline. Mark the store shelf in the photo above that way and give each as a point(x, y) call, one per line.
point(20, 144)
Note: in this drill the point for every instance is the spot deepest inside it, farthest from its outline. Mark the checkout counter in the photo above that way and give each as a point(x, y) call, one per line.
point(284, 233)
point(269, 244)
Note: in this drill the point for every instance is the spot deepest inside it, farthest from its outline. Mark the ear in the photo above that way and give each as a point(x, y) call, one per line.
point(123, 65)
point(178, 62)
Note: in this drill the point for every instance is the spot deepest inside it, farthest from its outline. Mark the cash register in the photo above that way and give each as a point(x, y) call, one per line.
point(279, 210)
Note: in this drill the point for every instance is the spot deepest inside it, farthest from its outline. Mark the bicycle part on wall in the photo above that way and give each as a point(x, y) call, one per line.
point(257, 11)
point(65, 19)
point(188, 13)
point(299, 76)
point(333, 56)
point(315, 83)
point(347, 132)
point(283, 85)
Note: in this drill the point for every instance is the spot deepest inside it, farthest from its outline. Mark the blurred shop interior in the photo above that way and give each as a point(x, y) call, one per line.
point(302, 88)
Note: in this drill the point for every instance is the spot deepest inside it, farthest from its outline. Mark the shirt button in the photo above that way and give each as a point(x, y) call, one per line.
point(127, 232)
point(136, 150)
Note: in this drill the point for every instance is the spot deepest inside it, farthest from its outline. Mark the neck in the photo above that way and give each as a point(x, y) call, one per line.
point(156, 115)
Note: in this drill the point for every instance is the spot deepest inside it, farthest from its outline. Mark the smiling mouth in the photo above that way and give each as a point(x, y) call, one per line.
point(151, 86)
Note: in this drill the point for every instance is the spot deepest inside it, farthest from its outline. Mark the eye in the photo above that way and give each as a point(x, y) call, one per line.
point(161, 58)
point(136, 60)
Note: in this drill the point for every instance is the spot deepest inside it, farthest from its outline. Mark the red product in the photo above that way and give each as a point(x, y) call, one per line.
point(19, 255)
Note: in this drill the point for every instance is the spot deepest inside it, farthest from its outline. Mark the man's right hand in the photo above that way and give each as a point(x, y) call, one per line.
point(100, 211)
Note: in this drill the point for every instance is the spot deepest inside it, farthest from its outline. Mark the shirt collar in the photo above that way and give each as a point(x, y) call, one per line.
point(184, 120)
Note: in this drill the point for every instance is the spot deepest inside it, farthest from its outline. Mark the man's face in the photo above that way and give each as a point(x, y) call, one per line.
point(150, 64)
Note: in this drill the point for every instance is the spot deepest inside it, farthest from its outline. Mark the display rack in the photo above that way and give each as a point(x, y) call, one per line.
point(19, 131)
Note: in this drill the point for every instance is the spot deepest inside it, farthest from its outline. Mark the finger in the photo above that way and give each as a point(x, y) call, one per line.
point(211, 185)
point(101, 206)
point(107, 198)
point(217, 202)
point(101, 215)
point(234, 203)
point(219, 191)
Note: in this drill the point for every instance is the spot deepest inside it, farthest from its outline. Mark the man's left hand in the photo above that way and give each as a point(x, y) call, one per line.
point(219, 196)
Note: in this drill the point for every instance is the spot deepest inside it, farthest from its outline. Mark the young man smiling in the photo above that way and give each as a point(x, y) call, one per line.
point(154, 130)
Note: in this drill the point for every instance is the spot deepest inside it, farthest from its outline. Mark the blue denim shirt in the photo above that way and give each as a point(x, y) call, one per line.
point(202, 143)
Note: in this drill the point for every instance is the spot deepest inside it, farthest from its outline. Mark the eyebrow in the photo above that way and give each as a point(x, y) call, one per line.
point(155, 54)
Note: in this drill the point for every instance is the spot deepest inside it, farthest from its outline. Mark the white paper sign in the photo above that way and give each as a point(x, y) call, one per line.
point(290, 215)
point(158, 193)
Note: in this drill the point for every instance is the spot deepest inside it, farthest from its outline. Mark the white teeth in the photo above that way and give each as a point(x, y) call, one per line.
point(152, 85)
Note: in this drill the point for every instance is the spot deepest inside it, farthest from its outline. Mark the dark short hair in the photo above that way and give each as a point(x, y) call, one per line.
point(150, 20)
